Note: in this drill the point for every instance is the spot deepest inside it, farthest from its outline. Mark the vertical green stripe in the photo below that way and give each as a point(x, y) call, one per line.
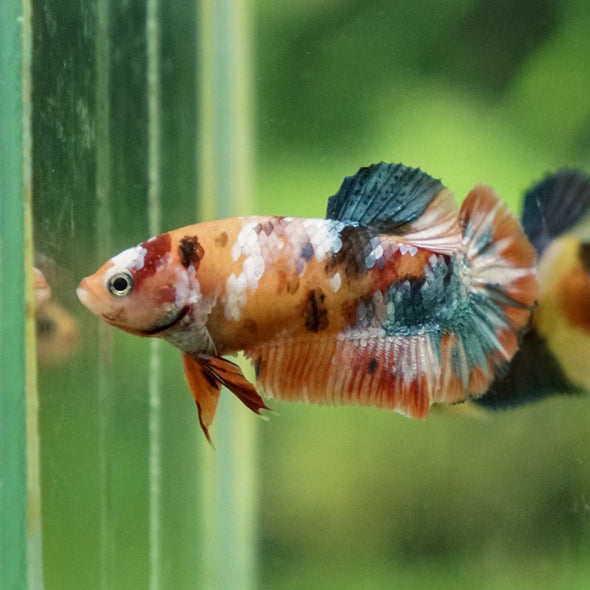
point(154, 226)
point(13, 493)
point(106, 524)
point(34, 522)
point(229, 542)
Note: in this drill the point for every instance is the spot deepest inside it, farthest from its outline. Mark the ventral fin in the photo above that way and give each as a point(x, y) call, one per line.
point(206, 374)
point(205, 390)
point(229, 374)
point(555, 206)
point(397, 200)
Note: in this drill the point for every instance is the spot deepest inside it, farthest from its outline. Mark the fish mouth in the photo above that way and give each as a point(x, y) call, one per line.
point(83, 296)
point(155, 331)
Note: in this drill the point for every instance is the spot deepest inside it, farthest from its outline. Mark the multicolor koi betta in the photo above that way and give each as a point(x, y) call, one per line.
point(396, 300)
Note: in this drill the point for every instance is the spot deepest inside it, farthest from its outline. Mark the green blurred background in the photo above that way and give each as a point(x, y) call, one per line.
point(469, 90)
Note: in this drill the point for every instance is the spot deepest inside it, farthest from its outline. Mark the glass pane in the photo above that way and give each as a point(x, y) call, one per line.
point(139, 110)
point(115, 127)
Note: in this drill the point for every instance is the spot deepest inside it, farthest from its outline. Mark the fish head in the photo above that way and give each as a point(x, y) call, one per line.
point(145, 290)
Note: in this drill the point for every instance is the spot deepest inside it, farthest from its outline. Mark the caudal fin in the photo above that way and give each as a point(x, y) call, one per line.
point(504, 286)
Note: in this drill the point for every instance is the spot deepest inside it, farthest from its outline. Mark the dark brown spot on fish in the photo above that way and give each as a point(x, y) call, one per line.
point(373, 364)
point(250, 326)
point(221, 239)
point(157, 248)
point(191, 252)
point(350, 259)
point(348, 309)
point(315, 311)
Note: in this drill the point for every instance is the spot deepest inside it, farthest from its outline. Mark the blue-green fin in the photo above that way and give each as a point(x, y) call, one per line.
point(555, 206)
point(383, 196)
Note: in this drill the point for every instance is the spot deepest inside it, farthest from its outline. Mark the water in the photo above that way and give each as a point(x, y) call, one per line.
point(153, 116)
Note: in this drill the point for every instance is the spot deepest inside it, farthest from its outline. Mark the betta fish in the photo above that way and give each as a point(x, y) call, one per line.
point(398, 299)
point(554, 355)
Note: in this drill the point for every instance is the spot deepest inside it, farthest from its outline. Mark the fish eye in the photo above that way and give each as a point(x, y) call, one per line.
point(120, 284)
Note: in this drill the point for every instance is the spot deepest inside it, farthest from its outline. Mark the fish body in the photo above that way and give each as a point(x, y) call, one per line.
point(395, 300)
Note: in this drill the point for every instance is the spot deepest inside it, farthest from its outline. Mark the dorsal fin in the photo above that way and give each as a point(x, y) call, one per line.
point(555, 205)
point(383, 196)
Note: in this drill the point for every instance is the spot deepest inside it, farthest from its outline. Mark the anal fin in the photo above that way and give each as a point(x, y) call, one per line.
point(398, 373)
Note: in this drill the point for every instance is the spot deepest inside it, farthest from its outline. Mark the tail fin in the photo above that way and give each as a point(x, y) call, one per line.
point(504, 290)
point(501, 257)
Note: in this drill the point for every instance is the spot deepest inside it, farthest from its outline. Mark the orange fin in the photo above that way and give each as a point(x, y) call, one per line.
point(396, 373)
point(503, 270)
point(229, 374)
point(205, 390)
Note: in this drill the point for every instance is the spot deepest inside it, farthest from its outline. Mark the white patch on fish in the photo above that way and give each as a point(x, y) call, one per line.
point(335, 282)
point(130, 259)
